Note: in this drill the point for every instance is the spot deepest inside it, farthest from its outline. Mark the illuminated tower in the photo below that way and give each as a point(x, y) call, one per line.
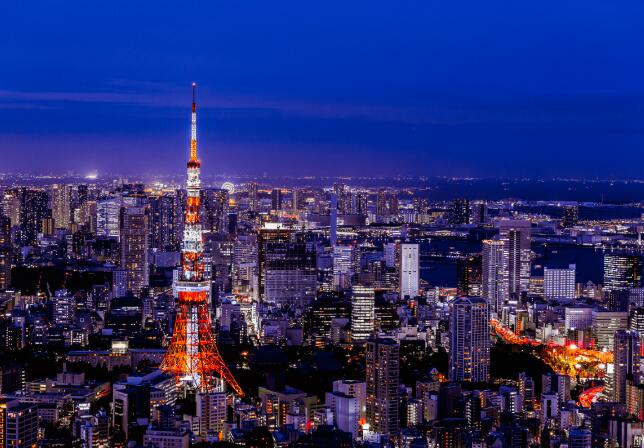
point(193, 356)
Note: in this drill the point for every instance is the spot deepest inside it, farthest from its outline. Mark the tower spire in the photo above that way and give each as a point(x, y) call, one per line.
point(193, 130)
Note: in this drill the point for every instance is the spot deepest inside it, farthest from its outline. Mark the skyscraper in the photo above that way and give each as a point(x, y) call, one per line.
point(408, 270)
point(382, 377)
point(559, 283)
point(363, 313)
point(460, 212)
point(469, 357)
point(134, 248)
point(494, 274)
point(60, 205)
point(6, 252)
point(570, 216)
point(290, 276)
point(516, 236)
point(626, 362)
point(622, 271)
point(276, 199)
point(214, 210)
point(108, 218)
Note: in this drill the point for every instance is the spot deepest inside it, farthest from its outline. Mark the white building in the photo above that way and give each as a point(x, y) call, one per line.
point(363, 313)
point(559, 283)
point(408, 270)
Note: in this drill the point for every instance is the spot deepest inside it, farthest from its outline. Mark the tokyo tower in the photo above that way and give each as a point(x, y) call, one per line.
point(193, 357)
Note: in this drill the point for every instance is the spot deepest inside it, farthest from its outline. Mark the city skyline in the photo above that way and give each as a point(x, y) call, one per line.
point(419, 89)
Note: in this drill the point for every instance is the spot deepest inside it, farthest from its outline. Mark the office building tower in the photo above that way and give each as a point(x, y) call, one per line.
point(21, 425)
point(163, 223)
point(108, 213)
point(276, 199)
point(290, 274)
point(578, 317)
point(267, 235)
point(6, 252)
point(516, 237)
point(605, 324)
point(626, 362)
point(214, 210)
point(297, 199)
point(33, 209)
point(469, 357)
point(408, 270)
point(469, 280)
point(382, 378)
point(333, 224)
point(343, 266)
point(479, 213)
point(636, 321)
point(622, 271)
point(363, 313)
point(386, 206)
point(253, 203)
point(244, 265)
point(459, 212)
point(134, 248)
point(559, 283)
point(60, 196)
point(570, 216)
point(494, 276)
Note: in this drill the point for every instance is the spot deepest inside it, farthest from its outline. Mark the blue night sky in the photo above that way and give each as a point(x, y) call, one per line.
point(295, 87)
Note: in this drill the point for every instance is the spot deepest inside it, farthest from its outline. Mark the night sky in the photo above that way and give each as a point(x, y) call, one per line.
point(297, 87)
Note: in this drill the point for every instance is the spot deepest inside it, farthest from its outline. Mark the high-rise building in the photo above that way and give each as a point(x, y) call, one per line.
point(494, 276)
point(276, 199)
point(290, 275)
point(33, 209)
point(559, 283)
point(469, 357)
point(516, 237)
point(253, 203)
point(605, 324)
point(211, 412)
point(570, 216)
point(626, 362)
point(382, 378)
point(265, 236)
point(469, 270)
point(408, 270)
point(460, 212)
point(163, 223)
point(622, 271)
point(386, 206)
point(60, 205)
point(134, 248)
point(363, 313)
point(214, 210)
point(6, 252)
point(21, 425)
point(108, 212)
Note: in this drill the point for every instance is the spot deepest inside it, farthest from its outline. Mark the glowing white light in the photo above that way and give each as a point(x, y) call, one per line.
point(229, 187)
